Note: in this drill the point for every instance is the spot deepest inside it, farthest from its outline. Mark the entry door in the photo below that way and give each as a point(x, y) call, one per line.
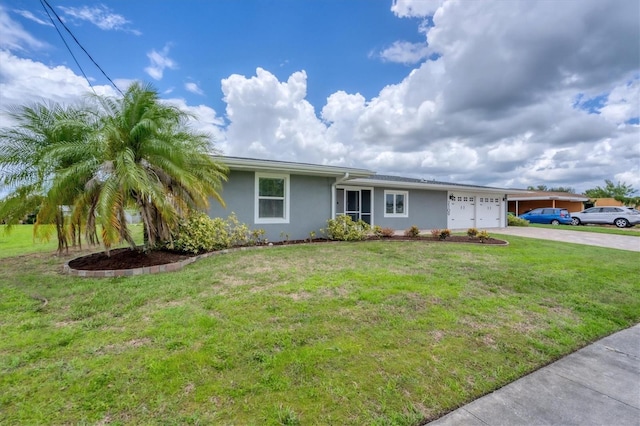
point(358, 204)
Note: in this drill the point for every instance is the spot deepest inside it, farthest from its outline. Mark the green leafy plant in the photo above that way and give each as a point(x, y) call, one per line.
point(199, 233)
point(344, 228)
point(472, 232)
point(412, 232)
point(312, 236)
point(377, 231)
point(513, 220)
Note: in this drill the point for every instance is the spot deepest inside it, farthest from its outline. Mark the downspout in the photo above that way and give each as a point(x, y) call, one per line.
point(333, 193)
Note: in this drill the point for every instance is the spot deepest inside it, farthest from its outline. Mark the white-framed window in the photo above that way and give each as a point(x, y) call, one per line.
point(396, 204)
point(272, 198)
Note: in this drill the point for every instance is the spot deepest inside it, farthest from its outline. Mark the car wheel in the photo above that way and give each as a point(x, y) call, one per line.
point(621, 222)
point(575, 221)
point(555, 222)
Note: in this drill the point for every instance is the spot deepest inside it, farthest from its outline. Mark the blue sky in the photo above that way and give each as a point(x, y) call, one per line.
point(488, 92)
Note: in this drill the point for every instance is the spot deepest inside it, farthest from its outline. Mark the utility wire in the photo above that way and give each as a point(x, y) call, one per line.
point(68, 48)
point(45, 2)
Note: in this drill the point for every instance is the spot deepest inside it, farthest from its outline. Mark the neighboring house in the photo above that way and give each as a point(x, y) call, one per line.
point(610, 202)
point(523, 202)
point(290, 200)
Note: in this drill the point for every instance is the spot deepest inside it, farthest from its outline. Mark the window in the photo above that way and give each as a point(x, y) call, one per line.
point(396, 204)
point(272, 198)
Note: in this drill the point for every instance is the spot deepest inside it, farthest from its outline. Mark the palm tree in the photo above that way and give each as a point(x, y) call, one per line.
point(151, 160)
point(129, 152)
point(29, 169)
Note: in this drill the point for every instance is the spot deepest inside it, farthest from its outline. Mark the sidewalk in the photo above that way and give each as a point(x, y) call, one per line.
point(597, 385)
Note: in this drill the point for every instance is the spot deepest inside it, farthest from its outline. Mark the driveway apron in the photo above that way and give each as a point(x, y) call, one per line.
point(621, 242)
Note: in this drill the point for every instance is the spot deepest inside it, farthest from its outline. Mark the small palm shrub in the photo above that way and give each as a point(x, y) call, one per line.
point(444, 234)
point(344, 228)
point(413, 232)
point(472, 232)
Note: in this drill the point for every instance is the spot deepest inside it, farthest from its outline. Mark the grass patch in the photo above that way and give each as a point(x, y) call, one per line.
point(599, 229)
point(349, 333)
point(19, 239)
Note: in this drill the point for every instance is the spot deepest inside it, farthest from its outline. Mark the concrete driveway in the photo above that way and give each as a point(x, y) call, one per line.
point(621, 242)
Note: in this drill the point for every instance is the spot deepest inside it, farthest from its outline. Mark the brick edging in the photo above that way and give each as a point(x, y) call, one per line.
point(169, 267)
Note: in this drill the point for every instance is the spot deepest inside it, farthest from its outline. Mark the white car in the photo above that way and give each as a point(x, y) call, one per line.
point(621, 217)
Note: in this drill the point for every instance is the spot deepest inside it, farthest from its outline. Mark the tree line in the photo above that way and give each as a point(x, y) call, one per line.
point(619, 191)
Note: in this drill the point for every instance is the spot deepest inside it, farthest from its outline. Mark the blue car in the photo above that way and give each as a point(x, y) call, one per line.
point(548, 215)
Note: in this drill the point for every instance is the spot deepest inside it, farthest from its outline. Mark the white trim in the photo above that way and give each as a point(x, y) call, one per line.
point(272, 166)
point(286, 200)
point(377, 183)
point(394, 193)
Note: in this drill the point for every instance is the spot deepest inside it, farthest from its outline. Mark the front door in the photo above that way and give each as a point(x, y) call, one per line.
point(358, 204)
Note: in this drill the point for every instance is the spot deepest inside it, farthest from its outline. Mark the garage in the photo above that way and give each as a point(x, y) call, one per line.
point(473, 210)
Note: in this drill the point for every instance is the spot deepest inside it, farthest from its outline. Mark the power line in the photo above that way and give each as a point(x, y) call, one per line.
point(67, 46)
point(45, 2)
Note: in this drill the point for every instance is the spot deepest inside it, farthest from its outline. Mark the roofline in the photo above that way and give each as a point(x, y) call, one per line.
point(425, 185)
point(576, 198)
point(240, 163)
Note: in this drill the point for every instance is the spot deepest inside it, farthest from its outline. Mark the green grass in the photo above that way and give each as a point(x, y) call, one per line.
point(381, 333)
point(19, 239)
point(633, 232)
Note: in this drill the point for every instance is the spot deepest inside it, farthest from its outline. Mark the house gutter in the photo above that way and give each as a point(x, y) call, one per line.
point(333, 193)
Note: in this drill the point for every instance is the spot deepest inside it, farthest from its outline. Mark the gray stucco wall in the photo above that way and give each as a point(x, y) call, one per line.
point(310, 205)
point(427, 210)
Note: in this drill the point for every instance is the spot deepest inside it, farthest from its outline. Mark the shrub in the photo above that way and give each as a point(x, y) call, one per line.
point(377, 231)
point(343, 228)
point(435, 233)
point(388, 232)
point(472, 232)
point(412, 232)
point(516, 221)
point(444, 234)
point(483, 235)
point(199, 233)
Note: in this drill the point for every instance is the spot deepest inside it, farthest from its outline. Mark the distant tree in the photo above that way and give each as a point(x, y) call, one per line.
point(620, 191)
point(552, 189)
point(610, 190)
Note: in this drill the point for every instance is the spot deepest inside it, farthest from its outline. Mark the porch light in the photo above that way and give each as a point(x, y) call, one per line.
point(452, 197)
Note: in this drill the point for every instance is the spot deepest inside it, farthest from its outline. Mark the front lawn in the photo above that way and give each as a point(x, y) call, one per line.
point(328, 333)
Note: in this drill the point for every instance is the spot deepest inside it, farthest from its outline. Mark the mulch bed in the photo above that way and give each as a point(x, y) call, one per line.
point(130, 259)
point(125, 259)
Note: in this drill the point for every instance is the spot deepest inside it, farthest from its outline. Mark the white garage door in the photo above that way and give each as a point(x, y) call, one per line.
point(462, 211)
point(488, 212)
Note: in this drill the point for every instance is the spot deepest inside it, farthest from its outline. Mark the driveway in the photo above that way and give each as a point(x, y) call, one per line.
point(621, 242)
